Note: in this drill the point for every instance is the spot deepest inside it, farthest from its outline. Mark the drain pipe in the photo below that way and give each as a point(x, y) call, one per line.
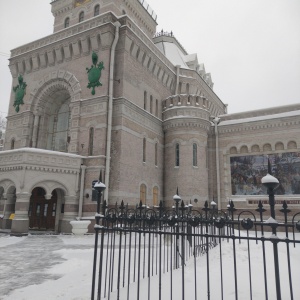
point(216, 121)
point(110, 107)
point(83, 168)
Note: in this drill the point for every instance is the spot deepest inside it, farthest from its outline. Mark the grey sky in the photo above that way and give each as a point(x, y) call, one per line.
point(251, 47)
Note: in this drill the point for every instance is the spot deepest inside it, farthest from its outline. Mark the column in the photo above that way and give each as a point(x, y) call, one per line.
point(20, 223)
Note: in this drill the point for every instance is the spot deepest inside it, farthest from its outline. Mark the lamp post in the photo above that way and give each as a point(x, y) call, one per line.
point(213, 204)
point(177, 199)
point(99, 187)
point(271, 183)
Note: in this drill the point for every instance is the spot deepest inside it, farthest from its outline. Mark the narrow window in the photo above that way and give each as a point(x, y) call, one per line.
point(145, 100)
point(91, 141)
point(151, 104)
point(96, 10)
point(195, 155)
point(187, 88)
point(177, 155)
point(81, 16)
point(12, 144)
point(144, 150)
point(143, 193)
point(156, 153)
point(156, 108)
point(67, 22)
point(155, 196)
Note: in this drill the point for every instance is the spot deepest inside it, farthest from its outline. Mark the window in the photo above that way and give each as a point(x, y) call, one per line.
point(156, 153)
point(156, 108)
point(187, 88)
point(151, 104)
point(81, 16)
point(195, 155)
point(155, 196)
point(12, 144)
point(58, 126)
point(144, 149)
point(177, 155)
point(143, 193)
point(96, 10)
point(67, 22)
point(91, 141)
point(145, 100)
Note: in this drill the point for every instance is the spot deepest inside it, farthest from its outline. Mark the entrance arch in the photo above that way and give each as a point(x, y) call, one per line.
point(42, 212)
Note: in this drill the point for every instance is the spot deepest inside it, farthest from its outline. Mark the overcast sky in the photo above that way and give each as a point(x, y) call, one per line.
point(250, 47)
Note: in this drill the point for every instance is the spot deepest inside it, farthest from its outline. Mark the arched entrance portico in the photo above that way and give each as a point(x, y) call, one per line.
point(42, 211)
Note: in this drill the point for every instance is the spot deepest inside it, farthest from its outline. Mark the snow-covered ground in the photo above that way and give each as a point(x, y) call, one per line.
point(60, 267)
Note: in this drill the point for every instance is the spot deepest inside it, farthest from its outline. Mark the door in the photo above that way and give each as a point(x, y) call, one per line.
point(42, 212)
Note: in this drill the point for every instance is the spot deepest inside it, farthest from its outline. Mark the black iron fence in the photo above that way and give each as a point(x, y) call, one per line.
point(183, 253)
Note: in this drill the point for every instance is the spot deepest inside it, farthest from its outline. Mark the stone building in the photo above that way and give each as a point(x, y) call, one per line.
point(107, 94)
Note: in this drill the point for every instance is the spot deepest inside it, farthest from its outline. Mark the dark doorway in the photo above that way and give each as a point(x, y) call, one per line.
point(42, 212)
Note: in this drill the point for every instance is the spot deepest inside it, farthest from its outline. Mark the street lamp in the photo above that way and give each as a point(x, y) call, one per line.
point(213, 204)
point(99, 187)
point(177, 199)
point(271, 183)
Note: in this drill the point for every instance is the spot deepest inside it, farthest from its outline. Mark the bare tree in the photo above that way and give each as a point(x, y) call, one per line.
point(2, 125)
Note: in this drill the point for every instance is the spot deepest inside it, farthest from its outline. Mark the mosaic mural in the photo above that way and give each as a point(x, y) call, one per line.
point(247, 171)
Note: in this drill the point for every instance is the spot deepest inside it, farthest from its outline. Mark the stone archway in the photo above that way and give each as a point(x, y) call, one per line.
point(42, 211)
point(51, 105)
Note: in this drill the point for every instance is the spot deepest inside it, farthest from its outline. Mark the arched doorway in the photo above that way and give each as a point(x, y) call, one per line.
point(42, 212)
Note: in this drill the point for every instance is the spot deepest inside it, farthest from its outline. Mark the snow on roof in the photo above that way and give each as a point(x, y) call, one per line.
point(261, 118)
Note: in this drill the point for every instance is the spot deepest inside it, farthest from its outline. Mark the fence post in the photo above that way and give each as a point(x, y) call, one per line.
point(272, 183)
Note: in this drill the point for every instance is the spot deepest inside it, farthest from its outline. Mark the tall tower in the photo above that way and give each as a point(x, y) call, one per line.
point(186, 126)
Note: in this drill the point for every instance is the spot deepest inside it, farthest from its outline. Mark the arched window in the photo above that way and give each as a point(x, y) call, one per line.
point(12, 144)
point(143, 193)
point(145, 100)
point(81, 16)
point(177, 155)
point(195, 163)
point(67, 22)
point(91, 141)
point(156, 146)
point(58, 126)
point(155, 196)
point(144, 149)
point(96, 10)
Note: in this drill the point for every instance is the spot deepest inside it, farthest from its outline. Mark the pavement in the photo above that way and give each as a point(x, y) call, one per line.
point(25, 263)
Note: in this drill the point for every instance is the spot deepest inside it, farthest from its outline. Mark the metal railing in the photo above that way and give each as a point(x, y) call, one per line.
point(158, 253)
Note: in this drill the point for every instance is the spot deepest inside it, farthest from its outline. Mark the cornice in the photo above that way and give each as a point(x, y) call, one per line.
point(272, 124)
